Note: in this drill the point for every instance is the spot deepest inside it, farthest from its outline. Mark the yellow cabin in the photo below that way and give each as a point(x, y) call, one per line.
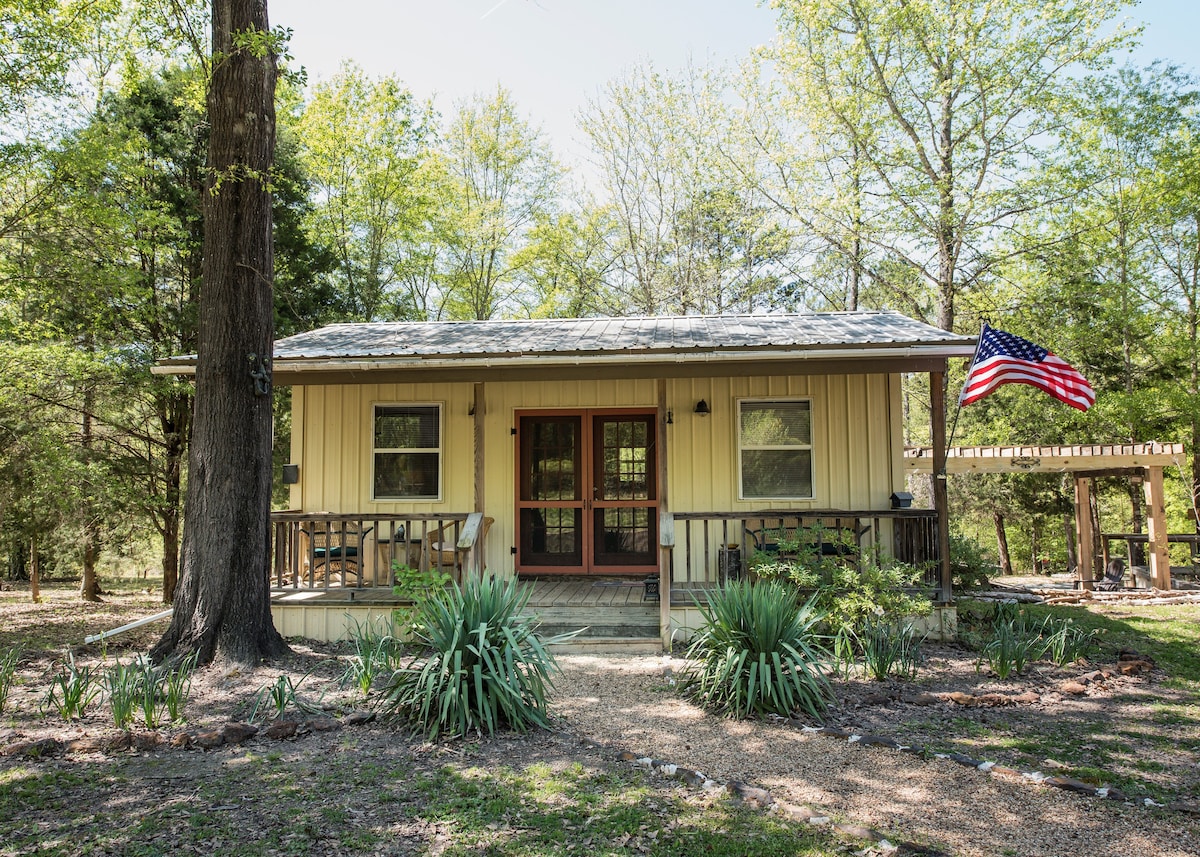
point(622, 464)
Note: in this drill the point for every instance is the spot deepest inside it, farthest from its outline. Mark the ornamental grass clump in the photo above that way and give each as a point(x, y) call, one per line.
point(758, 652)
point(484, 668)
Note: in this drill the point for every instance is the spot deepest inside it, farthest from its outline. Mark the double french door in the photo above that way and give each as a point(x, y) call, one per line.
point(587, 493)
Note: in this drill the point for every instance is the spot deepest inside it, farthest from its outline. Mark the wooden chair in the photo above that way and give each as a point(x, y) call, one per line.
point(336, 547)
point(442, 550)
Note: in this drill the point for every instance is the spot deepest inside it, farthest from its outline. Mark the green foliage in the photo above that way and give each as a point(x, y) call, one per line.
point(155, 691)
point(1065, 642)
point(877, 587)
point(72, 690)
point(484, 669)
point(758, 653)
point(8, 671)
point(969, 567)
point(889, 648)
point(278, 696)
point(414, 586)
point(376, 651)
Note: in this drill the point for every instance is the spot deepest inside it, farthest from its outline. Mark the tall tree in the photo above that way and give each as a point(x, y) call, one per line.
point(503, 181)
point(222, 604)
point(943, 104)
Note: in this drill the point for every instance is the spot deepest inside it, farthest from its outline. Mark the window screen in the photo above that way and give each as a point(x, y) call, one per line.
point(407, 452)
point(775, 449)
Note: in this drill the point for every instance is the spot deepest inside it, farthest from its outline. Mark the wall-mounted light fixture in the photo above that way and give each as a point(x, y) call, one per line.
point(670, 418)
point(291, 474)
point(702, 408)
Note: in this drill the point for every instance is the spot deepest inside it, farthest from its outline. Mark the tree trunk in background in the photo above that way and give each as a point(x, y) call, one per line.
point(35, 581)
point(1137, 503)
point(222, 603)
point(89, 588)
point(1002, 544)
point(1072, 552)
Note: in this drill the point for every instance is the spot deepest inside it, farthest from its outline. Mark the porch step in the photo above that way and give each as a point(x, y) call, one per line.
point(598, 622)
point(609, 646)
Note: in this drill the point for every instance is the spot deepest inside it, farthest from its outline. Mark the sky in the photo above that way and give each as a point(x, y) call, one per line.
point(556, 55)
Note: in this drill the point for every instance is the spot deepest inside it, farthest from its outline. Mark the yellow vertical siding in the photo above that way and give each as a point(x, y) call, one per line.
point(856, 442)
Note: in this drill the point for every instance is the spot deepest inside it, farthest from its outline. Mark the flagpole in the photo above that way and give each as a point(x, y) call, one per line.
point(958, 407)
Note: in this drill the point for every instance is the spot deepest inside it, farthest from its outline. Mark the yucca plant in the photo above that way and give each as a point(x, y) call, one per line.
point(485, 668)
point(757, 653)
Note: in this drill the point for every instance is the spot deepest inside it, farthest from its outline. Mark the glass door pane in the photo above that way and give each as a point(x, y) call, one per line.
point(551, 499)
point(624, 515)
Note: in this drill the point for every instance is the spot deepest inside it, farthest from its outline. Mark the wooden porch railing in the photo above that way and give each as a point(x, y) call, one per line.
point(712, 548)
point(323, 551)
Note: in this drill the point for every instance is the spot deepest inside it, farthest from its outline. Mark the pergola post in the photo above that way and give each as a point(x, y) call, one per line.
point(1083, 531)
point(1156, 514)
point(941, 497)
point(666, 536)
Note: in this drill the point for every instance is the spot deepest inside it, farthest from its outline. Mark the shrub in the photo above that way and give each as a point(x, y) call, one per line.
point(485, 669)
point(758, 652)
point(969, 567)
point(878, 586)
point(413, 585)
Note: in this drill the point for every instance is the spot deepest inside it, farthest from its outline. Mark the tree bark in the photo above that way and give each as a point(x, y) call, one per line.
point(222, 603)
point(1002, 544)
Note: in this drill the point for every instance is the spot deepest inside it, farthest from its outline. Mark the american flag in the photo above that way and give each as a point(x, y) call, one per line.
point(1004, 358)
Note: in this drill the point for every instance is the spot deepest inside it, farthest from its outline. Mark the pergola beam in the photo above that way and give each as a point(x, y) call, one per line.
point(1047, 459)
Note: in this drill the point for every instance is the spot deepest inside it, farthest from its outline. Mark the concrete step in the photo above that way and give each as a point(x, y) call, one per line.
point(609, 646)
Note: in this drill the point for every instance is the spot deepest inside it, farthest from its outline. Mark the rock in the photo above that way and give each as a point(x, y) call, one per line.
point(1093, 676)
point(236, 733)
point(1073, 687)
point(966, 761)
point(358, 718)
point(322, 724)
point(182, 741)
point(834, 733)
point(119, 743)
point(34, 749)
point(1004, 771)
point(857, 831)
point(146, 740)
point(798, 812)
point(282, 729)
point(750, 795)
point(626, 756)
point(1135, 667)
point(84, 745)
point(922, 698)
point(876, 741)
point(1026, 698)
point(209, 739)
point(959, 697)
point(1070, 785)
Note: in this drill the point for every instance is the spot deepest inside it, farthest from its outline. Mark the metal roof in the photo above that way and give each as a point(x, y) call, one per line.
point(599, 336)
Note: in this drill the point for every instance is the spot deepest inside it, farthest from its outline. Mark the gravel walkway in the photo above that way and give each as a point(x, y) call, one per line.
point(625, 702)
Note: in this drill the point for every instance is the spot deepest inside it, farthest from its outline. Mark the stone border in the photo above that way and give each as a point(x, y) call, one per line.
point(761, 799)
point(1065, 783)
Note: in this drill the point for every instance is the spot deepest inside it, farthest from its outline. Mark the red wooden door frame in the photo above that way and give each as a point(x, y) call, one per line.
point(588, 484)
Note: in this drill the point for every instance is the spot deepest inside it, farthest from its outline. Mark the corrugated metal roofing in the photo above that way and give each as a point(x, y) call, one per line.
point(612, 335)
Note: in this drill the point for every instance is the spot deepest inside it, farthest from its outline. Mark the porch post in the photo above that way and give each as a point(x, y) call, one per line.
point(1156, 512)
point(666, 541)
point(941, 498)
point(477, 409)
point(1085, 538)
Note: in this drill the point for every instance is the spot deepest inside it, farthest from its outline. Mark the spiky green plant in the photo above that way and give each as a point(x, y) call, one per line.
point(757, 653)
point(122, 685)
point(485, 668)
point(8, 673)
point(889, 648)
point(375, 651)
point(71, 690)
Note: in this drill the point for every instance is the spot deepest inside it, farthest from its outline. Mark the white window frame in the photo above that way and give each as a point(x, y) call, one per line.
point(810, 446)
point(440, 450)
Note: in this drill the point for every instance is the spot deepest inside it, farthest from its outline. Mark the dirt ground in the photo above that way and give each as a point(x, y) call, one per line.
point(606, 704)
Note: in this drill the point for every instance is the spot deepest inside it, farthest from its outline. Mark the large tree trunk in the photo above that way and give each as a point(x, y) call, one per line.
point(89, 588)
point(176, 425)
point(222, 603)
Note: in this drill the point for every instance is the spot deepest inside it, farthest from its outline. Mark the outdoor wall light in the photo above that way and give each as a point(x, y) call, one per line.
point(291, 474)
point(702, 408)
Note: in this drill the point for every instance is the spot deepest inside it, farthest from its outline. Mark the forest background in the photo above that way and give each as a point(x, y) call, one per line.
point(957, 161)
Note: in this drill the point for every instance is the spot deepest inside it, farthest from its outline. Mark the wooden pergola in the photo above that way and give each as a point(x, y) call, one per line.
point(1085, 463)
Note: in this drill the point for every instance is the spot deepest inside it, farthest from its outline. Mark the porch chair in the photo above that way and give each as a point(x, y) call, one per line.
point(335, 547)
point(442, 550)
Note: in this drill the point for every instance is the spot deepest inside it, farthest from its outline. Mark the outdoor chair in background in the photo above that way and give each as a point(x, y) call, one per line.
point(336, 549)
point(443, 550)
point(1114, 576)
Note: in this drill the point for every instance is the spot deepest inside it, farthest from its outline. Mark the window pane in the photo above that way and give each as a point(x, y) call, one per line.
point(406, 427)
point(777, 474)
point(406, 475)
point(776, 424)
